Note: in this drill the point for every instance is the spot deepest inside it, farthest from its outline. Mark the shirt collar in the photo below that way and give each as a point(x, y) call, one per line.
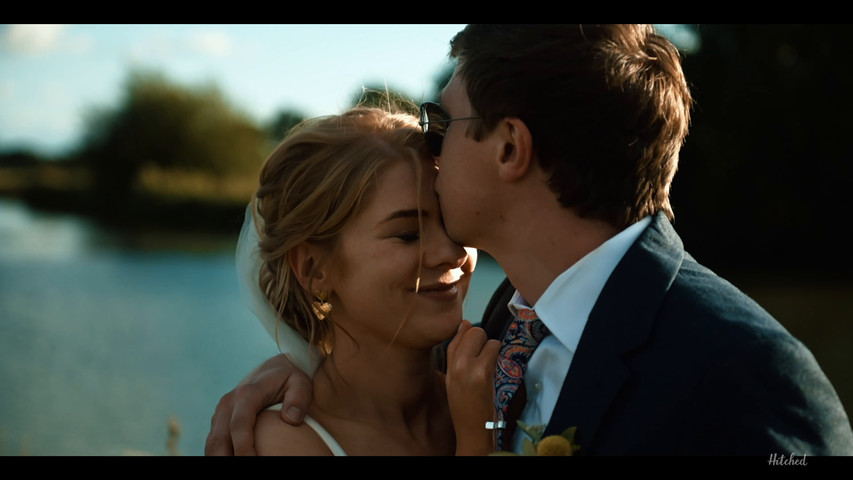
point(565, 306)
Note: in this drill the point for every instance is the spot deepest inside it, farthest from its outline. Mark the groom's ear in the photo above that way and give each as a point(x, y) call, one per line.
point(516, 153)
point(304, 262)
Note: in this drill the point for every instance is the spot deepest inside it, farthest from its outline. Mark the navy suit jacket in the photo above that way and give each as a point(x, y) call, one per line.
point(675, 360)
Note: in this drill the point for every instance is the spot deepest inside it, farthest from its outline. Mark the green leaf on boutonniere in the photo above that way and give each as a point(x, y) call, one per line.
point(569, 434)
point(528, 449)
point(533, 431)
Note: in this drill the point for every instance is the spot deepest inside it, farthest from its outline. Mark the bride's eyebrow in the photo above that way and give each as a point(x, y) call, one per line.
point(411, 213)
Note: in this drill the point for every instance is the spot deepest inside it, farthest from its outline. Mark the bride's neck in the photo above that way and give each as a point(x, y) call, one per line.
point(385, 385)
point(389, 403)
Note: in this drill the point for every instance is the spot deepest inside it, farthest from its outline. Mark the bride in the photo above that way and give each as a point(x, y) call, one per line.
point(345, 260)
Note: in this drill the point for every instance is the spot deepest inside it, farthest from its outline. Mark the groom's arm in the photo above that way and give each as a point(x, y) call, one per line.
point(768, 397)
point(277, 380)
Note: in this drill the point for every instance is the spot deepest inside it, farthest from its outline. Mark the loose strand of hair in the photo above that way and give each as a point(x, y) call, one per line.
point(418, 180)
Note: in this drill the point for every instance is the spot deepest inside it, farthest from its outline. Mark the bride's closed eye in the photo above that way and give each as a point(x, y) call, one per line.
point(409, 237)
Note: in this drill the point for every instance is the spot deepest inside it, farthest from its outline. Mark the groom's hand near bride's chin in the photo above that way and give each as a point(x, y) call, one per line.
point(277, 380)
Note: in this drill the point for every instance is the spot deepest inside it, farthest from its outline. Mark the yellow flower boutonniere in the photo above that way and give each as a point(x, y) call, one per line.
point(562, 445)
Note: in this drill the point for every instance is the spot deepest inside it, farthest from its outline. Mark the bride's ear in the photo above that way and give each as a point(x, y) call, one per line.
point(304, 261)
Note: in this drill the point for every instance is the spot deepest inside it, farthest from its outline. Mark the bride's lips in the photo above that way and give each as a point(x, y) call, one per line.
point(440, 291)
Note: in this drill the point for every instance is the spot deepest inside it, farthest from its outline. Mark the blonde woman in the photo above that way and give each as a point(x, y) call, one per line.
point(349, 266)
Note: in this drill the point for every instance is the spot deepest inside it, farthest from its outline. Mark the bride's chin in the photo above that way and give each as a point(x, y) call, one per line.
point(452, 323)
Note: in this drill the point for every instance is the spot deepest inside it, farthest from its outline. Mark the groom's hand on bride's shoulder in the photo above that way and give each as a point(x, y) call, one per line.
point(277, 380)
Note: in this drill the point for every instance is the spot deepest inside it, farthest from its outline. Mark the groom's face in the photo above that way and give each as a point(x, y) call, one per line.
point(465, 182)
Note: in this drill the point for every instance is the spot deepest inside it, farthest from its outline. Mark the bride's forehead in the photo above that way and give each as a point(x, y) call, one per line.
point(401, 187)
point(397, 183)
point(405, 172)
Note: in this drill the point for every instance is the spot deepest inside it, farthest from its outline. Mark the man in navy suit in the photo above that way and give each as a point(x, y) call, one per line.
point(556, 147)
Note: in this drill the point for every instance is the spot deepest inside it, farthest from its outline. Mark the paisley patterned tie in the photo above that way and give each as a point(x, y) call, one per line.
point(523, 336)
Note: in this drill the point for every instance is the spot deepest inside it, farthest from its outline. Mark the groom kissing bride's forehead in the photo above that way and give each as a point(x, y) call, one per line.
point(561, 171)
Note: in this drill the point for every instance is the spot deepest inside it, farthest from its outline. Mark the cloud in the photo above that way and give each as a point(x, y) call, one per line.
point(31, 39)
point(79, 44)
point(169, 45)
point(211, 43)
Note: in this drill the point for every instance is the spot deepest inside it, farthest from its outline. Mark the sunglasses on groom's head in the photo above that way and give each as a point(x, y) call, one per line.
point(434, 122)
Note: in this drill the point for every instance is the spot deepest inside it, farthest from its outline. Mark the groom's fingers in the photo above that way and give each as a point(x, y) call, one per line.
point(298, 391)
point(292, 389)
point(233, 423)
point(242, 425)
point(232, 427)
point(219, 438)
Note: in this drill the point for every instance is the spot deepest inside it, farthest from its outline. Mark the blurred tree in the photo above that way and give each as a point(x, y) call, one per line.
point(19, 158)
point(441, 79)
point(766, 167)
point(283, 122)
point(160, 123)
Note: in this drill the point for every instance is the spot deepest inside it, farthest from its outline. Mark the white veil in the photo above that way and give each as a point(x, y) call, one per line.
point(248, 260)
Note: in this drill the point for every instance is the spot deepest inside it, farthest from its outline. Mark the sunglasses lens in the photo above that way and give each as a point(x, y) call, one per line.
point(434, 141)
point(434, 124)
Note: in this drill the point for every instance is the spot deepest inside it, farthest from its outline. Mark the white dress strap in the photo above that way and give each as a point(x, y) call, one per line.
point(327, 437)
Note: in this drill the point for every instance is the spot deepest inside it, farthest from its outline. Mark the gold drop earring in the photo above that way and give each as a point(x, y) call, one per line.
point(323, 307)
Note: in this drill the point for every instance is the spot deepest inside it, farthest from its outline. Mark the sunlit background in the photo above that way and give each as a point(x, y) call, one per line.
point(52, 75)
point(127, 154)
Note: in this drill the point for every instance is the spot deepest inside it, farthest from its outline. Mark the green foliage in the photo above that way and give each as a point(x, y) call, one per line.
point(768, 154)
point(19, 158)
point(158, 123)
point(284, 121)
point(441, 79)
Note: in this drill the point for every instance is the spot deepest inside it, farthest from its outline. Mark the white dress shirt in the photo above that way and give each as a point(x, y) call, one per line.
point(564, 308)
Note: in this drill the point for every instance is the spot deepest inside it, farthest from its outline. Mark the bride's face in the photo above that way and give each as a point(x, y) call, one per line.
point(375, 272)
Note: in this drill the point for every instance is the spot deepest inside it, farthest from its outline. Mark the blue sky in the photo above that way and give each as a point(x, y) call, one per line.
point(51, 75)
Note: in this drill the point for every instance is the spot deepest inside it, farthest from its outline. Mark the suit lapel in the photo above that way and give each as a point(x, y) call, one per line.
point(620, 321)
point(497, 317)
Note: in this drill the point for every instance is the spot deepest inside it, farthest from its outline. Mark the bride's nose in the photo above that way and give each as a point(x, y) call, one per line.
point(441, 251)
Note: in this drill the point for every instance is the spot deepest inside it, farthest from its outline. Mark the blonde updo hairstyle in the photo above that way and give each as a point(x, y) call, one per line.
point(319, 177)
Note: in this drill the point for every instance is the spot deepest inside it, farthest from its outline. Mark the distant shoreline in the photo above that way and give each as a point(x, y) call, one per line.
point(66, 189)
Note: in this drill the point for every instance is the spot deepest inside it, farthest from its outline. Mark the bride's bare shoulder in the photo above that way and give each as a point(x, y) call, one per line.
point(274, 436)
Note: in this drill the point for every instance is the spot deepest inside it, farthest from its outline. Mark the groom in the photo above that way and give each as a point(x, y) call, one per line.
point(556, 147)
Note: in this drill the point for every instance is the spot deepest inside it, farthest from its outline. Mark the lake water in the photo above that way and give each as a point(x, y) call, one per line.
point(106, 338)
